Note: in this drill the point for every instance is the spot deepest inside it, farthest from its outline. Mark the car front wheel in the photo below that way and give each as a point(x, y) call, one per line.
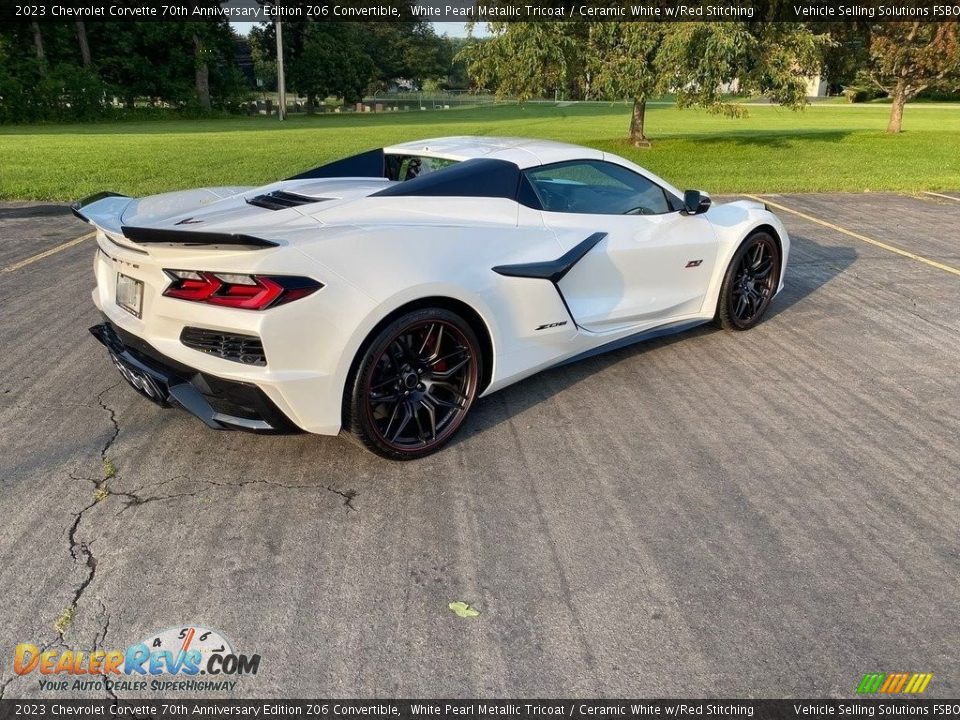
point(750, 283)
point(414, 384)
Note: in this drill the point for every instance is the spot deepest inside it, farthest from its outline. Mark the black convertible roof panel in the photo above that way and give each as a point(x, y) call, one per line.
point(480, 177)
point(366, 164)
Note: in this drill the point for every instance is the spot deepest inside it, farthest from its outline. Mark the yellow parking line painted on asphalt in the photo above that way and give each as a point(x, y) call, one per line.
point(941, 195)
point(48, 253)
point(858, 236)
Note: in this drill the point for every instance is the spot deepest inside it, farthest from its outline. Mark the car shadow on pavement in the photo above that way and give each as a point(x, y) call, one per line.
point(33, 211)
point(811, 266)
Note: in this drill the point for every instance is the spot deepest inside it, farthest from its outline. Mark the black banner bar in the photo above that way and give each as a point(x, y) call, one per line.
point(540, 709)
point(482, 10)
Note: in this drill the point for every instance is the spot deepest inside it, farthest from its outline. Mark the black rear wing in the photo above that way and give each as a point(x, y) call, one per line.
point(193, 238)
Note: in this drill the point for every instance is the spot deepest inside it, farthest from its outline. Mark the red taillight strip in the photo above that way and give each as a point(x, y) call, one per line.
point(263, 292)
point(195, 290)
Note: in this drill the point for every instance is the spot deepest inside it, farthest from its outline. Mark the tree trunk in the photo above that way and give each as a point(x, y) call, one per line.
point(84, 45)
point(202, 74)
point(38, 44)
point(899, 97)
point(637, 136)
point(311, 103)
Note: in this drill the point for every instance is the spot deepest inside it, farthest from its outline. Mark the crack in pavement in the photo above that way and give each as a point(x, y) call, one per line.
point(101, 644)
point(113, 419)
point(58, 642)
point(132, 498)
point(78, 547)
point(347, 495)
point(79, 550)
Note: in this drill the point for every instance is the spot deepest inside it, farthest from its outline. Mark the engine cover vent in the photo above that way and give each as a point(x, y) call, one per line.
point(280, 200)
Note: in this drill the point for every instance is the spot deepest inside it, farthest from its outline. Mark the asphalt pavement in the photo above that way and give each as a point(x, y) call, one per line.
point(764, 514)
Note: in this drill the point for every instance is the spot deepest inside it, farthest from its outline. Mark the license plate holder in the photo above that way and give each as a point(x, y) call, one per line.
point(130, 294)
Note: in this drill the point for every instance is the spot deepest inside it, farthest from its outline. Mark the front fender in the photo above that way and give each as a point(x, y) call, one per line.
point(733, 222)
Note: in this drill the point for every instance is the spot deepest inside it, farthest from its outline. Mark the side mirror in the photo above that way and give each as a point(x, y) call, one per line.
point(694, 202)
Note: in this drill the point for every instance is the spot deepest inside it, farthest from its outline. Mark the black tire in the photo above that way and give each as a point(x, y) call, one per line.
point(750, 283)
point(414, 383)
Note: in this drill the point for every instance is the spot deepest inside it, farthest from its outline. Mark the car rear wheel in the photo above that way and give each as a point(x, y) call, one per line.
point(750, 283)
point(414, 385)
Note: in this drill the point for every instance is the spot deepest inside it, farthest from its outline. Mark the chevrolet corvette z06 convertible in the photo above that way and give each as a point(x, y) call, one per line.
point(383, 294)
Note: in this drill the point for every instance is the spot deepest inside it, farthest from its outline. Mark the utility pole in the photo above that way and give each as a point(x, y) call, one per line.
point(281, 86)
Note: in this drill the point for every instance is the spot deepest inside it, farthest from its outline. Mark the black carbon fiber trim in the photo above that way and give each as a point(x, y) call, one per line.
point(189, 237)
point(552, 270)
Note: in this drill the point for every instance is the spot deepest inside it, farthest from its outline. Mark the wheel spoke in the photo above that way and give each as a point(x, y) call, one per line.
point(421, 434)
point(431, 415)
point(741, 305)
point(393, 416)
point(432, 357)
point(449, 387)
point(426, 339)
point(431, 362)
point(407, 416)
point(389, 381)
point(764, 272)
point(397, 353)
point(378, 399)
point(451, 370)
point(443, 403)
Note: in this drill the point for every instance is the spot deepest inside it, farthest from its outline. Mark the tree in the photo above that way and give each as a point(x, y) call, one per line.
point(624, 63)
point(331, 61)
point(38, 46)
point(846, 54)
point(84, 44)
point(909, 57)
point(201, 72)
point(704, 62)
point(409, 50)
point(264, 53)
point(525, 60)
point(700, 62)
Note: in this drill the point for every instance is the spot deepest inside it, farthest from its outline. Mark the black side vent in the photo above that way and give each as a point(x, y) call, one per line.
point(246, 349)
point(280, 200)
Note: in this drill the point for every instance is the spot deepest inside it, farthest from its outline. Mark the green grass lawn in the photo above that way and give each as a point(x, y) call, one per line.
point(825, 147)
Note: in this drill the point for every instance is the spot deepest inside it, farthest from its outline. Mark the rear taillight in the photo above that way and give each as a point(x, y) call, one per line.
point(247, 292)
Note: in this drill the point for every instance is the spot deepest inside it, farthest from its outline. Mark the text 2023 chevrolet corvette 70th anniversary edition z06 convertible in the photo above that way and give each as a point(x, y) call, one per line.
point(384, 293)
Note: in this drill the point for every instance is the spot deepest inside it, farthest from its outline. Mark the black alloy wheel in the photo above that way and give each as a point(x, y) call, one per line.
point(750, 283)
point(415, 384)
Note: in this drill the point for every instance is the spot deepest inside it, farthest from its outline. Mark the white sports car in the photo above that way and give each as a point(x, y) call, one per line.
point(384, 293)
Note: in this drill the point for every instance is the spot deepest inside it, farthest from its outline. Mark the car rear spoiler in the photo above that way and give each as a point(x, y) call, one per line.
point(193, 238)
point(79, 205)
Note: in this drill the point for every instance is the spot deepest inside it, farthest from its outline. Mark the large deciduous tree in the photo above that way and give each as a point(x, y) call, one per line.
point(525, 60)
point(699, 62)
point(624, 62)
point(910, 57)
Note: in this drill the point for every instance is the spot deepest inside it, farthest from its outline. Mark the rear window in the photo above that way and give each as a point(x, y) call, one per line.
point(407, 167)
